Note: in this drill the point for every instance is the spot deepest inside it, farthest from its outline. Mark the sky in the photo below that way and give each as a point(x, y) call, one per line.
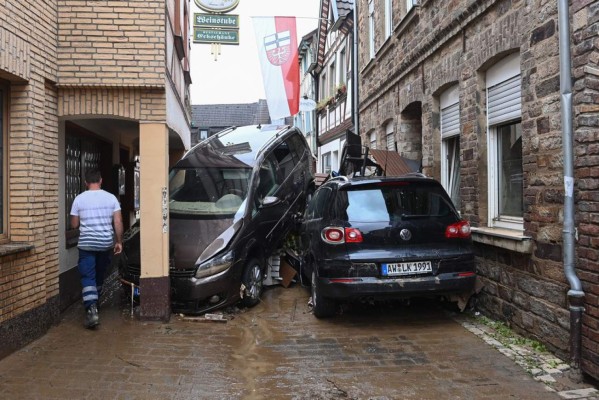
point(235, 76)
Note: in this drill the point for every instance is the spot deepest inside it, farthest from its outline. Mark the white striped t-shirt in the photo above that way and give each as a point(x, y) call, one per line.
point(95, 209)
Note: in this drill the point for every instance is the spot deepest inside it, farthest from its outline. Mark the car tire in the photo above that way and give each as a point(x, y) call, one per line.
point(321, 306)
point(253, 282)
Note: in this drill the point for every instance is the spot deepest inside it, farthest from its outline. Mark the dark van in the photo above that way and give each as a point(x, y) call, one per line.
point(232, 201)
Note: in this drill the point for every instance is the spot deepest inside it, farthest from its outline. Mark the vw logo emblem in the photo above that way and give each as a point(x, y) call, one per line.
point(405, 234)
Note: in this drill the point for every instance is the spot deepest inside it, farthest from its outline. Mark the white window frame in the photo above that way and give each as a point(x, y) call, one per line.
point(371, 29)
point(388, 18)
point(449, 101)
point(342, 66)
point(505, 69)
point(410, 4)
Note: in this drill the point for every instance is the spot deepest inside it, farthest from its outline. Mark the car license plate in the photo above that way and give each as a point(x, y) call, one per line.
point(407, 268)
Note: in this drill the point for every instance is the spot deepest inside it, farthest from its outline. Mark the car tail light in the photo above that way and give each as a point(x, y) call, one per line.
point(337, 235)
point(353, 235)
point(460, 230)
point(333, 235)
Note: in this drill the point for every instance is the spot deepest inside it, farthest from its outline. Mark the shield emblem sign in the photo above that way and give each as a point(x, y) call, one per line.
point(278, 47)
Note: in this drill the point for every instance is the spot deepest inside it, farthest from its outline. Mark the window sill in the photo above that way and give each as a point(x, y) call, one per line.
point(503, 238)
point(14, 247)
point(406, 21)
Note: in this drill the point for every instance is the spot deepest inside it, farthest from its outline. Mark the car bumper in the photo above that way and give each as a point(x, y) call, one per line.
point(195, 296)
point(381, 288)
point(190, 295)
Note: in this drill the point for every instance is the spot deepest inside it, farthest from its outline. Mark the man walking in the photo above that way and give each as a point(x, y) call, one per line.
point(97, 214)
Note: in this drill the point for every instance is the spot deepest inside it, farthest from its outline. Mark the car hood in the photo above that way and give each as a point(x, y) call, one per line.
point(191, 238)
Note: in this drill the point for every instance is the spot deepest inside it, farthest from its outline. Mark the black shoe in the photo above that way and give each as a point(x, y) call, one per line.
point(91, 317)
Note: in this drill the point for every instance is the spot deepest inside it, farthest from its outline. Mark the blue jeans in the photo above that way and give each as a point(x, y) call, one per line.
point(92, 267)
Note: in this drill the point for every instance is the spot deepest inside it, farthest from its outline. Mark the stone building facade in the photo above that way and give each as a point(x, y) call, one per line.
point(84, 84)
point(472, 88)
point(333, 75)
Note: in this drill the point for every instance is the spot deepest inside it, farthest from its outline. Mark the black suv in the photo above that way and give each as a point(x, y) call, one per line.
point(378, 238)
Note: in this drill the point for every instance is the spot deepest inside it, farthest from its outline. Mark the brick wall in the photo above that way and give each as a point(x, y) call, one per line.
point(29, 278)
point(444, 43)
point(132, 103)
point(111, 43)
point(585, 63)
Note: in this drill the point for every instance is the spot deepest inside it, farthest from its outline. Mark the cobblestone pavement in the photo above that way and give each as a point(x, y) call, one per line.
point(279, 350)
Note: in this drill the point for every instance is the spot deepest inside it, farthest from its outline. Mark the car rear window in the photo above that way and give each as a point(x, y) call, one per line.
point(391, 203)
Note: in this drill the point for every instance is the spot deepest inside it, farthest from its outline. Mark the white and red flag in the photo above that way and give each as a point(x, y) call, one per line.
point(276, 39)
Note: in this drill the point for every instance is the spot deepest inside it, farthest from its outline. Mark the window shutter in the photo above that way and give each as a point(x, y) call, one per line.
point(504, 102)
point(450, 121)
point(390, 142)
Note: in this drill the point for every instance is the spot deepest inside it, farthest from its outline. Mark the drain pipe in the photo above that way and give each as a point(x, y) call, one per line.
point(355, 91)
point(575, 294)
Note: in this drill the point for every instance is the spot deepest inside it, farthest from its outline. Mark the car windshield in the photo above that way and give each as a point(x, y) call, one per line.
point(208, 191)
point(389, 203)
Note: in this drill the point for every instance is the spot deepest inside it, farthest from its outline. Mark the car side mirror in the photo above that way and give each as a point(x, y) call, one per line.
point(270, 201)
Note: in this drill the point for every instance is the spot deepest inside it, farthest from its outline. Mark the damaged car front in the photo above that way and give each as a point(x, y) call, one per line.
point(231, 200)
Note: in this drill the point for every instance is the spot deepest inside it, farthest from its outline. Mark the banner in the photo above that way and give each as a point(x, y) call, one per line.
point(276, 40)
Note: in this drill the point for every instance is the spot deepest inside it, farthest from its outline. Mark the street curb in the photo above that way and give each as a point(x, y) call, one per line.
point(544, 367)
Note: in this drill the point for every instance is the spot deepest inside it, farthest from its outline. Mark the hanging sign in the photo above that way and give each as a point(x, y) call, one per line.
point(217, 6)
point(219, 36)
point(307, 104)
point(215, 20)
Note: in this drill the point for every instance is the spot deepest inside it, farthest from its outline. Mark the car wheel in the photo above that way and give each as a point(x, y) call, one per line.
point(252, 280)
point(322, 306)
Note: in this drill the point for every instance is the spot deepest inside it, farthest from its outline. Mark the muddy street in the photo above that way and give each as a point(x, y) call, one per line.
point(277, 350)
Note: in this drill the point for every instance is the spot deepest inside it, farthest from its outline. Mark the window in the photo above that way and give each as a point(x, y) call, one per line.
point(371, 28)
point(3, 161)
point(390, 136)
point(326, 163)
point(388, 17)
point(506, 206)
point(391, 204)
point(342, 66)
point(332, 79)
point(318, 205)
point(373, 140)
point(410, 4)
point(282, 153)
point(450, 143)
point(203, 134)
point(323, 87)
point(335, 160)
point(267, 185)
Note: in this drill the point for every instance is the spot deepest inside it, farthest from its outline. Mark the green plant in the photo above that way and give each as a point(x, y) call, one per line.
point(324, 103)
point(340, 90)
